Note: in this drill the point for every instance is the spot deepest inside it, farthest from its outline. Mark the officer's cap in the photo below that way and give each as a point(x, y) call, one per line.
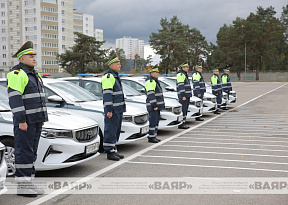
point(184, 65)
point(114, 60)
point(226, 70)
point(154, 69)
point(26, 49)
point(215, 70)
point(198, 66)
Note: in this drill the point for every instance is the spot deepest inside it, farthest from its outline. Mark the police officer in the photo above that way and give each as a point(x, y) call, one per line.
point(216, 89)
point(184, 92)
point(226, 83)
point(199, 87)
point(114, 106)
point(154, 103)
point(27, 102)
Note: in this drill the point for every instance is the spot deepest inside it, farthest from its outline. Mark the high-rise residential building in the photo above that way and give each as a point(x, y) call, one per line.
point(47, 23)
point(131, 46)
point(44, 22)
point(83, 23)
point(98, 34)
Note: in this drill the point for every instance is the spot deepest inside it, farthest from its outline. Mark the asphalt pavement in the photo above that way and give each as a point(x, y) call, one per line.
point(248, 141)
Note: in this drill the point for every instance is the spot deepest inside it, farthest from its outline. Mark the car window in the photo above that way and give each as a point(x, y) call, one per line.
point(4, 105)
point(76, 82)
point(3, 83)
point(94, 87)
point(128, 91)
point(163, 86)
point(133, 84)
point(48, 93)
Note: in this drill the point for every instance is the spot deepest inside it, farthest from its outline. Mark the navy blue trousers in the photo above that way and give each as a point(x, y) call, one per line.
point(26, 145)
point(185, 106)
point(219, 101)
point(154, 118)
point(112, 131)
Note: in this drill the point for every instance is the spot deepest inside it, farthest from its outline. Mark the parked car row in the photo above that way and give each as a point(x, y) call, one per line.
point(74, 132)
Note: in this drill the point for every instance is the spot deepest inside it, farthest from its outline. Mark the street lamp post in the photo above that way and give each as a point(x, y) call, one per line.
point(245, 62)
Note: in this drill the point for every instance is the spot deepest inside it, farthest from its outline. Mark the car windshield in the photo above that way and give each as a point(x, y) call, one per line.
point(128, 91)
point(4, 105)
point(72, 92)
point(169, 82)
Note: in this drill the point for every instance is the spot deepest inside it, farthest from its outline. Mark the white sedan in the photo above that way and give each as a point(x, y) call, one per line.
point(171, 116)
point(3, 169)
point(67, 139)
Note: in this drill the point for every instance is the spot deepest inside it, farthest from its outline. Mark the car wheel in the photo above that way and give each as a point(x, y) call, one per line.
point(9, 155)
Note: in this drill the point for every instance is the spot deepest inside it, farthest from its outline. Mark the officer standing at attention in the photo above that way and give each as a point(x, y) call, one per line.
point(27, 102)
point(184, 92)
point(154, 103)
point(199, 87)
point(114, 106)
point(226, 83)
point(216, 89)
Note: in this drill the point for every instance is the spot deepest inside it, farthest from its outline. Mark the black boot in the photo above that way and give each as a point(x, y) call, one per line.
point(119, 155)
point(183, 126)
point(199, 119)
point(217, 112)
point(112, 156)
point(153, 140)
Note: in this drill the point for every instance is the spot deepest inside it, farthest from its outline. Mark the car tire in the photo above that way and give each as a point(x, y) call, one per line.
point(9, 155)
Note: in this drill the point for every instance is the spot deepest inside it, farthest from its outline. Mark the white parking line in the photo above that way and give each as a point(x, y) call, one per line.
point(207, 132)
point(228, 143)
point(210, 159)
point(222, 153)
point(230, 139)
point(208, 166)
point(227, 148)
point(126, 160)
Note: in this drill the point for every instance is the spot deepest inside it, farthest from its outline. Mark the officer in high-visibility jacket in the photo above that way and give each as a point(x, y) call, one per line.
point(114, 106)
point(216, 89)
point(199, 87)
point(226, 83)
point(27, 102)
point(184, 92)
point(154, 103)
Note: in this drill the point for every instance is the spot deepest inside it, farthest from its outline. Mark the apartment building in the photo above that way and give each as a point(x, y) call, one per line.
point(83, 23)
point(131, 46)
point(98, 34)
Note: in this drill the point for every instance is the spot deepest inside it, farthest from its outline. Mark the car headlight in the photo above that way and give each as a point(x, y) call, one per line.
point(168, 109)
point(127, 118)
point(52, 133)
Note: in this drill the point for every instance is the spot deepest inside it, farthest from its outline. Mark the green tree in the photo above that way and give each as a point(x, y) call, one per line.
point(85, 56)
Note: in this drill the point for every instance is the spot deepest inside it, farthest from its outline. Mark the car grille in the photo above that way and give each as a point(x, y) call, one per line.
point(141, 119)
point(198, 104)
point(177, 110)
point(86, 134)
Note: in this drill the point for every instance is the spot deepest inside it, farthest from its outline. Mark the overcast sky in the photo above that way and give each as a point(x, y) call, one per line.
point(139, 18)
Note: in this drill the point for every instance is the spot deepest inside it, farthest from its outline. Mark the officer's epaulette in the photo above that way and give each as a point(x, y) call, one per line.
point(151, 80)
point(16, 72)
point(108, 75)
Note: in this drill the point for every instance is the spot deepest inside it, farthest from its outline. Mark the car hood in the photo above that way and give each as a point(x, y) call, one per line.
point(209, 95)
point(142, 99)
point(57, 120)
point(131, 108)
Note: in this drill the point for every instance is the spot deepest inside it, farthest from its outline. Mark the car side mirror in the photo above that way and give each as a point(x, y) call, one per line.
point(55, 98)
point(168, 88)
point(142, 90)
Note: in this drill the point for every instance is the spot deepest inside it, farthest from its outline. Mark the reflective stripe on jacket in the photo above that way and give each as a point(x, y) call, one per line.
point(113, 97)
point(26, 95)
point(154, 94)
point(198, 84)
point(183, 85)
point(216, 85)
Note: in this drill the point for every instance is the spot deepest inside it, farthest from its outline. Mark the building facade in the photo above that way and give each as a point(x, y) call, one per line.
point(47, 23)
point(131, 46)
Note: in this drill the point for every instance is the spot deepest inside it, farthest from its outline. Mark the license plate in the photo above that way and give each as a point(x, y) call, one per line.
point(144, 130)
point(180, 118)
point(92, 148)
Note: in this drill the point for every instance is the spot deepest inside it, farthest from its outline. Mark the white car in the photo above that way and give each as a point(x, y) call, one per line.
point(138, 83)
point(209, 100)
point(3, 168)
point(224, 95)
point(67, 139)
point(171, 116)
